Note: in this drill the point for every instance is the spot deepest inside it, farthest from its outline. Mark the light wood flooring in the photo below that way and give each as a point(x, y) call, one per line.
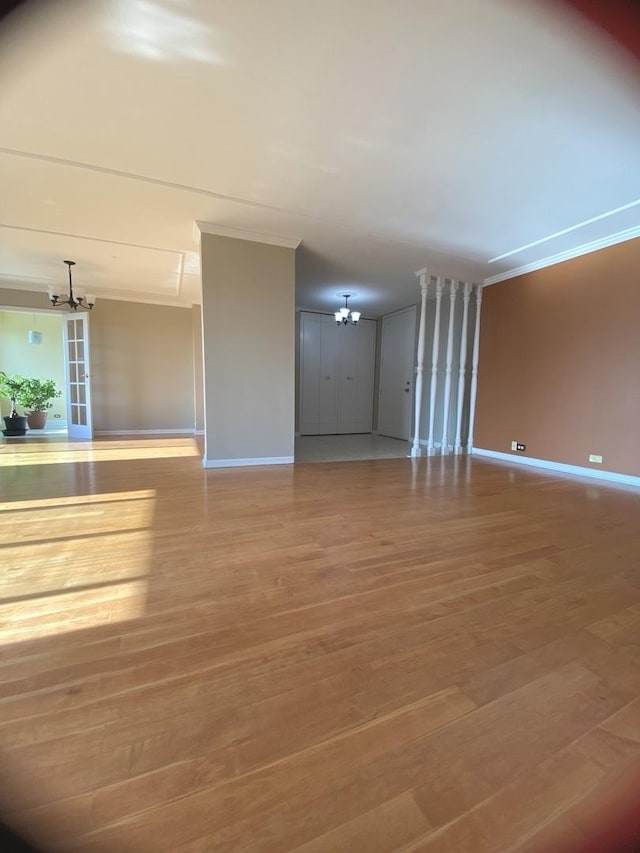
point(394, 655)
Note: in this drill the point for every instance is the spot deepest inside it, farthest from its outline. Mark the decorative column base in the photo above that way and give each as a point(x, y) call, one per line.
point(415, 451)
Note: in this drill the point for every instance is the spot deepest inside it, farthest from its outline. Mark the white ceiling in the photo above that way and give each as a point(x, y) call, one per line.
point(385, 135)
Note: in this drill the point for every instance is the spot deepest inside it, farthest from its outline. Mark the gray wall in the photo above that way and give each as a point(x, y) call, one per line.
point(198, 376)
point(248, 322)
point(142, 366)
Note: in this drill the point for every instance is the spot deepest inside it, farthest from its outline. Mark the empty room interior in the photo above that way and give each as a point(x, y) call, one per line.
point(320, 461)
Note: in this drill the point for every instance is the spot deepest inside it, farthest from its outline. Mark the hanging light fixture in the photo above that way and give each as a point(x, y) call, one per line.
point(344, 316)
point(74, 303)
point(34, 336)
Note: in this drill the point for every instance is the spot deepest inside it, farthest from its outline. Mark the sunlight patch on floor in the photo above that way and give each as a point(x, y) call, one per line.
point(78, 500)
point(74, 611)
point(74, 563)
point(14, 455)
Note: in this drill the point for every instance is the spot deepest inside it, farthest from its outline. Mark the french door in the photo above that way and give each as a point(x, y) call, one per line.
point(77, 367)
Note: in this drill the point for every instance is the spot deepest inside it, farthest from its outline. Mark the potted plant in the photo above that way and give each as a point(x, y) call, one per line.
point(10, 386)
point(35, 395)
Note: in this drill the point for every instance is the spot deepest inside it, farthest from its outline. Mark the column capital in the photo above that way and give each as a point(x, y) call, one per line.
point(468, 288)
point(439, 286)
point(453, 286)
point(424, 280)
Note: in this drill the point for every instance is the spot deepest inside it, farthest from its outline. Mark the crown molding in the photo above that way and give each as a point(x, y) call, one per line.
point(241, 234)
point(33, 285)
point(551, 260)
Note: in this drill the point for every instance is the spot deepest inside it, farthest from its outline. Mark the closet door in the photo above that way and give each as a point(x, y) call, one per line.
point(355, 385)
point(318, 381)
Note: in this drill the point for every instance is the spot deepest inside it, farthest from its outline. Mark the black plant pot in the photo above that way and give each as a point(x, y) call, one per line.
point(15, 426)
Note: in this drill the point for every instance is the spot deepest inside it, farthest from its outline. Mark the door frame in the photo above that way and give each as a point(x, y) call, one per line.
point(78, 431)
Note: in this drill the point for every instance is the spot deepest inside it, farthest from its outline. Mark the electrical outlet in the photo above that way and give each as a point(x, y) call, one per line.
point(593, 457)
point(521, 446)
point(514, 445)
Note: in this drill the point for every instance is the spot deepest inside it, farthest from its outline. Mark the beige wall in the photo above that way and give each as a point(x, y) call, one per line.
point(11, 298)
point(42, 361)
point(248, 312)
point(141, 362)
point(142, 366)
point(559, 362)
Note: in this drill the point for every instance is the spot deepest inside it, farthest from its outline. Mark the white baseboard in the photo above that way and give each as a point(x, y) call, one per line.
point(143, 432)
point(437, 445)
point(560, 467)
point(198, 432)
point(243, 463)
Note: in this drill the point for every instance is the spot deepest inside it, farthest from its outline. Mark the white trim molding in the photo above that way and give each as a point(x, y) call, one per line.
point(474, 369)
point(585, 249)
point(243, 463)
point(568, 230)
point(417, 408)
point(241, 234)
point(462, 365)
point(560, 467)
point(448, 448)
point(453, 290)
point(434, 367)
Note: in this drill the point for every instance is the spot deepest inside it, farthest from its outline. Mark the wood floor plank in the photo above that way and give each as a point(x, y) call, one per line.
point(437, 654)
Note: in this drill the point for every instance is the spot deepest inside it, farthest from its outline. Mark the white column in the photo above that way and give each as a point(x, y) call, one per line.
point(466, 295)
point(434, 367)
point(424, 284)
point(474, 368)
point(453, 289)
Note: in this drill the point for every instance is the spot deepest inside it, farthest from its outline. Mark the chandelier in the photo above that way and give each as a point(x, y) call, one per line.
point(74, 303)
point(344, 316)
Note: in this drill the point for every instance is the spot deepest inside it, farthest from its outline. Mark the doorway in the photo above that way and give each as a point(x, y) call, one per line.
point(397, 373)
point(31, 344)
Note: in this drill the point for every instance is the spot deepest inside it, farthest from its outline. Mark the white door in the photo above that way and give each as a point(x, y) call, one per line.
point(76, 358)
point(396, 373)
point(355, 382)
point(318, 375)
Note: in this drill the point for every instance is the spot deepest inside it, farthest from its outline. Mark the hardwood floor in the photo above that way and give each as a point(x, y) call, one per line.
point(434, 655)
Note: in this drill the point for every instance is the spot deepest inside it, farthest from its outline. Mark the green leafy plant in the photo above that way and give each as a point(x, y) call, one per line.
point(35, 394)
point(11, 387)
